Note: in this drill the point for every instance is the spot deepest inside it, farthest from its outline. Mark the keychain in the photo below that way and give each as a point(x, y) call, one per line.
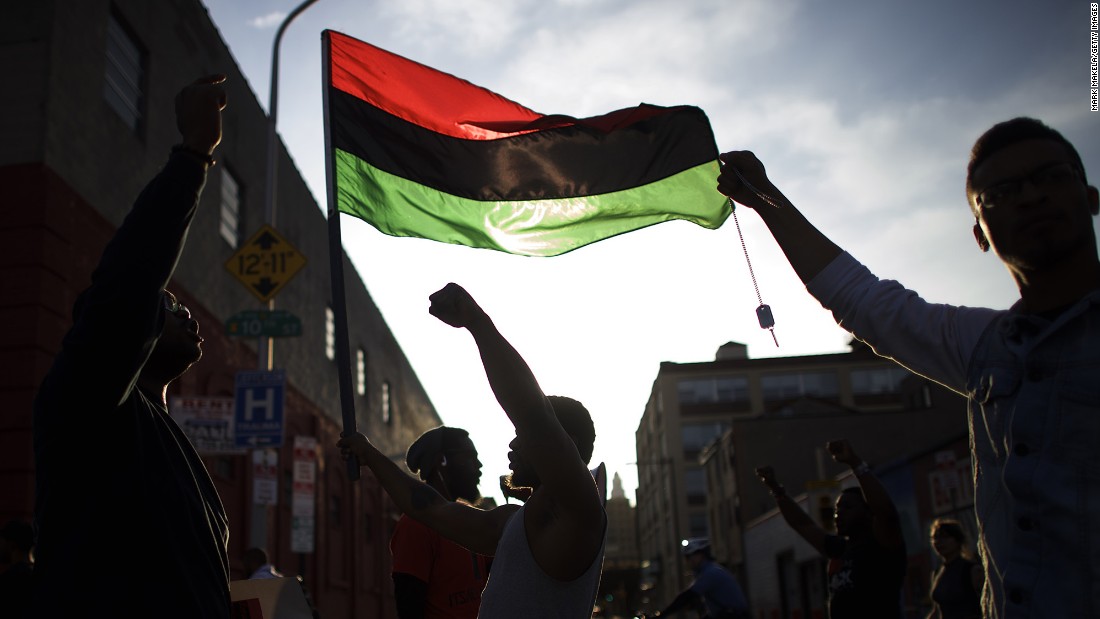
point(763, 312)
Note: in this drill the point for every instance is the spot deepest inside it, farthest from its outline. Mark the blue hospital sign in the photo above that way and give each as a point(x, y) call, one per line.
point(258, 413)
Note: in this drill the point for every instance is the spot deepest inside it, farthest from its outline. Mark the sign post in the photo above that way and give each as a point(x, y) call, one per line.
point(303, 497)
point(265, 477)
point(265, 263)
point(259, 408)
point(264, 323)
point(208, 421)
point(945, 483)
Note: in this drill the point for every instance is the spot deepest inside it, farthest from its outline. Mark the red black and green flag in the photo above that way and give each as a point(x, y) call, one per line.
point(418, 152)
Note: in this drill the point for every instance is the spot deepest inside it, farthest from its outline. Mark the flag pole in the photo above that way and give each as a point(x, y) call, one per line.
point(336, 267)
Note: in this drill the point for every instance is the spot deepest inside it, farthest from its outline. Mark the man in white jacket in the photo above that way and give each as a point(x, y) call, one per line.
point(1031, 373)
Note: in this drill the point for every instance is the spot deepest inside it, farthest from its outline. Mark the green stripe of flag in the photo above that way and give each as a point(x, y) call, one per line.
point(400, 207)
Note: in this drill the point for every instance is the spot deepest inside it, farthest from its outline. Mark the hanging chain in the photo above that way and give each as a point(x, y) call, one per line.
point(745, 249)
point(763, 311)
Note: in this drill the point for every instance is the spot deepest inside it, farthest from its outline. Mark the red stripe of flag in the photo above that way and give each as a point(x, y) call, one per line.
point(424, 96)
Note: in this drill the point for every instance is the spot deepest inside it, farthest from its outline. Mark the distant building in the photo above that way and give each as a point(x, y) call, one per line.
point(619, 593)
point(622, 532)
point(708, 425)
point(87, 120)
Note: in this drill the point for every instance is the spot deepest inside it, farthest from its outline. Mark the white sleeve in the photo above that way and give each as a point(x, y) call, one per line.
point(930, 339)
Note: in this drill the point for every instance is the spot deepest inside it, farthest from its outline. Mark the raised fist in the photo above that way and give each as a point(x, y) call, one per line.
point(199, 113)
point(842, 452)
point(767, 475)
point(741, 173)
point(454, 306)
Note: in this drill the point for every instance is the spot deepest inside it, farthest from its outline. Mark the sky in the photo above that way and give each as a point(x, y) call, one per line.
point(863, 113)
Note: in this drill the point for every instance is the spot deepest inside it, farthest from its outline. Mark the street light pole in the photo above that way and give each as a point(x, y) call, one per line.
point(266, 352)
point(266, 347)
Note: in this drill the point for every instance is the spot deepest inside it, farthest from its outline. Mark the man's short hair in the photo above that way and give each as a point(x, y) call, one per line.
point(425, 450)
point(577, 421)
point(1007, 133)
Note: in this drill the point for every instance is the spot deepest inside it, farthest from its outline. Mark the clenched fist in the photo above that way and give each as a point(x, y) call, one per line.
point(454, 306)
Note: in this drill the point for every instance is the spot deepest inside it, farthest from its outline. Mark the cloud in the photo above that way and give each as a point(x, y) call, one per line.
point(267, 21)
point(473, 28)
point(619, 55)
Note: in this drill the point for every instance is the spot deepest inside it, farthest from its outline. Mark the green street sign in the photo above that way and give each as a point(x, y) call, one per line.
point(264, 323)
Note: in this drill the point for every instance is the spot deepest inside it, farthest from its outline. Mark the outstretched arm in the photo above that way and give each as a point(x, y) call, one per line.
point(933, 340)
point(467, 526)
point(886, 524)
point(807, 249)
point(564, 517)
point(797, 519)
point(546, 445)
point(118, 318)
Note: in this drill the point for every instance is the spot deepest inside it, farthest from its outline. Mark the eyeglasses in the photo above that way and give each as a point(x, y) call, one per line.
point(172, 304)
point(1006, 193)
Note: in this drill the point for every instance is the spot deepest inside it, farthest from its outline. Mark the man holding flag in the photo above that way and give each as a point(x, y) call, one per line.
point(420, 153)
point(1028, 372)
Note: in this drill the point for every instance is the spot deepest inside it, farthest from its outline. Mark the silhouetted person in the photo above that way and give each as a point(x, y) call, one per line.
point(548, 554)
point(714, 586)
point(258, 565)
point(129, 522)
point(957, 584)
point(16, 542)
point(867, 553)
point(1029, 372)
point(434, 577)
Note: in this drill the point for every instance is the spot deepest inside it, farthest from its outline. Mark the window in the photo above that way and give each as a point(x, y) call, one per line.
point(731, 389)
point(713, 390)
point(361, 372)
point(125, 74)
point(387, 412)
point(695, 436)
point(230, 226)
point(698, 526)
point(695, 483)
point(790, 386)
point(878, 380)
point(330, 333)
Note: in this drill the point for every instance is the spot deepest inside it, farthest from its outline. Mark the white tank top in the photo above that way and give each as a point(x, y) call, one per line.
point(518, 587)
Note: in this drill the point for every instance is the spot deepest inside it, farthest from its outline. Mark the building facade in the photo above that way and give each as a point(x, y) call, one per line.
point(619, 584)
point(87, 120)
point(708, 425)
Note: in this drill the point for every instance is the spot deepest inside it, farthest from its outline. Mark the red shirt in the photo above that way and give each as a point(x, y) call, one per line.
point(455, 576)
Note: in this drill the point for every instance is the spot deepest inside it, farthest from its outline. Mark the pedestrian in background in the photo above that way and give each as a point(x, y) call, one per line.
point(957, 584)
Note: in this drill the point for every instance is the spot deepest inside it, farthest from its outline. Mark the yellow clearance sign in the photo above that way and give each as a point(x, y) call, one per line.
point(265, 263)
